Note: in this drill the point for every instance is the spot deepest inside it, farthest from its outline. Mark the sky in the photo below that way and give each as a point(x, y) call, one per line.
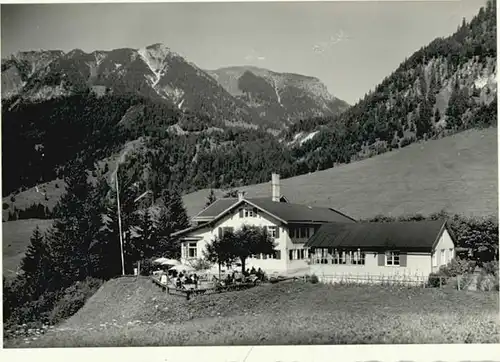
point(350, 46)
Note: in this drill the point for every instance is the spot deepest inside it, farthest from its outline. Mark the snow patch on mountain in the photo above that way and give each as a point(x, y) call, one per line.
point(156, 58)
point(277, 91)
point(301, 137)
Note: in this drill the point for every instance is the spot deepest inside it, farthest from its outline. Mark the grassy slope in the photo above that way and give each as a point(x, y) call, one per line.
point(15, 239)
point(130, 312)
point(48, 194)
point(457, 173)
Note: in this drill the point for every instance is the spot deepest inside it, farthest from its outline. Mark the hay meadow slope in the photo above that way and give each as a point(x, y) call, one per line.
point(134, 312)
point(458, 173)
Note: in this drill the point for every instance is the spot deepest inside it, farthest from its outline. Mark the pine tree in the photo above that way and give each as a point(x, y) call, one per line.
point(146, 241)
point(74, 233)
point(108, 250)
point(173, 202)
point(423, 122)
point(211, 198)
point(36, 266)
point(167, 246)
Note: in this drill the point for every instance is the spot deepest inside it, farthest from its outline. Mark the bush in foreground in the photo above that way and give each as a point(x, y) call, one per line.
point(73, 298)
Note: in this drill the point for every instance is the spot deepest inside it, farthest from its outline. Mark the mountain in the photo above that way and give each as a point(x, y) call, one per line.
point(444, 87)
point(154, 72)
point(284, 96)
point(20, 67)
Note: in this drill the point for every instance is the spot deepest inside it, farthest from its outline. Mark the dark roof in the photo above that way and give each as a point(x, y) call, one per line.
point(221, 205)
point(283, 210)
point(300, 213)
point(217, 207)
point(405, 235)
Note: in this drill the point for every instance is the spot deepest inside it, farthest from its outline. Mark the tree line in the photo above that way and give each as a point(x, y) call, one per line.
point(83, 242)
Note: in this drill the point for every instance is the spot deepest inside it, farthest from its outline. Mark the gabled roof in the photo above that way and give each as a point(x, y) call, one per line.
point(404, 235)
point(296, 213)
point(221, 205)
point(283, 211)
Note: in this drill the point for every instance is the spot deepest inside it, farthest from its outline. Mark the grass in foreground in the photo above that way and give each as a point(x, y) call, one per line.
point(126, 312)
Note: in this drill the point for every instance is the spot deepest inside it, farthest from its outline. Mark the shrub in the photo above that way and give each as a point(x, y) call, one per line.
point(460, 281)
point(314, 279)
point(491, 267)
point(73, 298)
point(487, 282)
point(147, 267)
point(200, 264)
point(457, 267)
point(434, 280)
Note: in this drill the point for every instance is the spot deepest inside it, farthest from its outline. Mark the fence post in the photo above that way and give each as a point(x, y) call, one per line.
point(458, 282)
point(440, 282)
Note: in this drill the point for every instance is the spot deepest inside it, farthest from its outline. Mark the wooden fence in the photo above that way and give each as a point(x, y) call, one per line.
point(459, 282)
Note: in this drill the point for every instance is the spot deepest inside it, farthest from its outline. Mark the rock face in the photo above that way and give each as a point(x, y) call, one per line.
point(260, 98)
point(284, 96)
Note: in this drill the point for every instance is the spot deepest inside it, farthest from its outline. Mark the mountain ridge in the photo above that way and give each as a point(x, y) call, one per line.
point(154, 71)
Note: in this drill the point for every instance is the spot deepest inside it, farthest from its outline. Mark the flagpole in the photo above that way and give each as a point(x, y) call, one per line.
point(119, 221)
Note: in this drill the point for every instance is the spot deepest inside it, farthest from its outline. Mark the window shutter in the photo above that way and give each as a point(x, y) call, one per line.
point(220, 232)
point(255, 211)
point(241, 213)
point(381, 259)
point(402, 259)
point(277, 232)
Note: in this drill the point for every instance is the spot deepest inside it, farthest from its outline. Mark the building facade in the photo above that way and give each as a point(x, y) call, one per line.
point(290, 225)
point(377, 251)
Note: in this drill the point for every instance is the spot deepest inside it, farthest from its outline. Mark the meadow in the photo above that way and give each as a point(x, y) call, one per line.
point(15, 239)
point(458, 173)
point(134, 312)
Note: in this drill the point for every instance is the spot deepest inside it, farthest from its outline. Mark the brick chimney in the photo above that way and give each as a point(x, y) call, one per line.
point(241, 195)
point(275, 181)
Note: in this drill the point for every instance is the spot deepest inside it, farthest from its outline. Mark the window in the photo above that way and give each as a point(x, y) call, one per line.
point(277, 254)
point(304, 232)
point(192, 250)
point(358, 257)
point(290, 254)
point(248, 212)
point(392, 258)
point(450, 254)
point(443, 256)
point(291, 232)
point(273, 231)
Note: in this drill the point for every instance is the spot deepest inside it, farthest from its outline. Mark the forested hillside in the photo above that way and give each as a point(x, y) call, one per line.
point(446, 86)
